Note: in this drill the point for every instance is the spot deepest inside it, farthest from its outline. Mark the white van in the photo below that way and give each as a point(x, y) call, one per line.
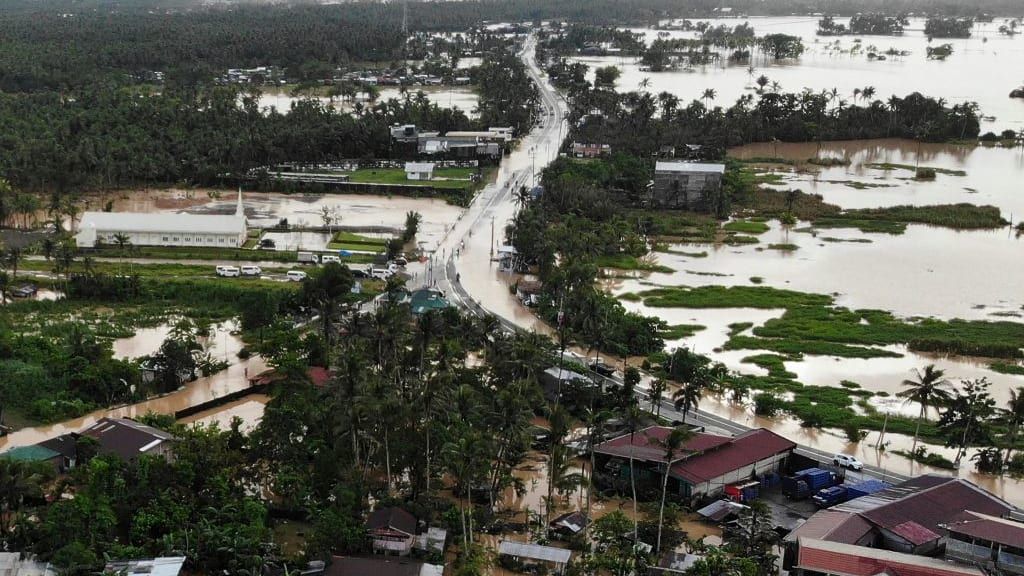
point(381, 273)
point(227, 271)
point(328, 258)
point(251, 270)
point(296, 275)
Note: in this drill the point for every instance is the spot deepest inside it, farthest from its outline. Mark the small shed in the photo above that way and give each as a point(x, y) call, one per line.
point(557, 558)
point(419, 170)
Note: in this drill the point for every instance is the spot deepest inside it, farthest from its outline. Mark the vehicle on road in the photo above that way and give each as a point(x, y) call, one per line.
point(400, 261)
point(328, 258)
point(381, 273)
point(602, 368)
point(360, 274)
point(308, 258)
point(296, 275)
point(228, 271)
point(24, 291)
point(847, 461)
point(251, 270)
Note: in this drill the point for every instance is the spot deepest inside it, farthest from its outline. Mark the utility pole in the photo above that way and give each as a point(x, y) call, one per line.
point(492, 237)
point(405, 19)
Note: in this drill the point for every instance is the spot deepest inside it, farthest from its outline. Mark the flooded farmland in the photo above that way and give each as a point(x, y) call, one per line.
point(980, 65)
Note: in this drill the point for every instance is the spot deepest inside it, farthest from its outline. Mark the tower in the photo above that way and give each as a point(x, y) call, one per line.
point(239, 208)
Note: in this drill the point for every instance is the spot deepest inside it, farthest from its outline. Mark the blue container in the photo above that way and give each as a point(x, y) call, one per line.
point(866, 487)
point(817, 479)
point(831, 496)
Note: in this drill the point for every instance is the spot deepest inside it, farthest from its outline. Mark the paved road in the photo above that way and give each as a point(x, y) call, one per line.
point(485, 301)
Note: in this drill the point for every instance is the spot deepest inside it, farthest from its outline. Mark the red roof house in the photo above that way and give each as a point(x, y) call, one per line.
point(835, 559)
point(392, 530)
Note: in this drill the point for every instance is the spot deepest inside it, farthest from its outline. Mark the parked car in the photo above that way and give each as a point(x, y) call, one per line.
point(381, 273)
point(847, 461)
point(296, 275)
point(401, 261)
point(328, 258)
point(251, 270)
point(360, 274)
point(24, 291)
point(228, 271)
point(602, 368)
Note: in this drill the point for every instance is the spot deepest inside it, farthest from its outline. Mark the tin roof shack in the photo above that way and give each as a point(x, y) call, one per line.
point(516, 555)
point(703, 467)
point(392, 531)
point(821, 558)
point(906, 518)
point(568, 525)
point(130, 439)
point(558, 382)
point(989, 541)
point(419, 170)
point(686, 185)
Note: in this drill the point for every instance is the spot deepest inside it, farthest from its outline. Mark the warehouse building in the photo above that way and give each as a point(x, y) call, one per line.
point(156, 229)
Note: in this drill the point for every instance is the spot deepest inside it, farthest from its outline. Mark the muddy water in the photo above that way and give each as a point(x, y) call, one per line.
point(979, 64)
point(249, 409)
point(993, 174)
point(204, 389)
point(267, 208)
point(462, 97)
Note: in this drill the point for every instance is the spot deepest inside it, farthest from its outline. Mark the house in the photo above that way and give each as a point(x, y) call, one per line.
point(984, 540)
point(554, 379)
point(505, 132)
point(674, 563)
point(529, 291)
point(168, 566)
point(426, 299)
point(392, 531)
point(907, 518)
point(703, 466)
point(555, 558)
point(346, 566)
point(163, 229)
point(568, 524)
point(419, 170)
point(581, 150)
point(34, 453)
point(405, 134)
point(432, 541)
point(129, 439)
point(685, 185)
point(822, 558)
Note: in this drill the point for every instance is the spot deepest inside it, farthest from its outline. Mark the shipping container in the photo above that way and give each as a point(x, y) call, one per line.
point(866, 487)
point(831, 496)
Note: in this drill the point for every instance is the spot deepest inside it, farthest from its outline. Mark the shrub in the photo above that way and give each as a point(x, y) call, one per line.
point(925, 174)
point(768, 404)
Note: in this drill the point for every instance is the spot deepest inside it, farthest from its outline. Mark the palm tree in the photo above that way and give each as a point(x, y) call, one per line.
point(868, 92)
point(5, 284)
point(856, 94)
point(656, 393)
point(709, 94)
point(929, 389)
point(644, 84)
point(687, 397)
point(632, 420)
point(672, 443)
point(1013, 417)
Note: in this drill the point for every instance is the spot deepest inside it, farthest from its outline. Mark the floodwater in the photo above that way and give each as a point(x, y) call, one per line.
point(462, 97)
point(264, 209)
point(992, 175)
point(981, 66)
point(249, 409)
point(221, 345)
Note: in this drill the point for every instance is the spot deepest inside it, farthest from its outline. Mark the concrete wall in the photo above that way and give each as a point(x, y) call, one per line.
point(219, 240)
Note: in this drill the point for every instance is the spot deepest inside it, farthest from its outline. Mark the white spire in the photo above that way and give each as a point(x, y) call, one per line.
point(240, 210)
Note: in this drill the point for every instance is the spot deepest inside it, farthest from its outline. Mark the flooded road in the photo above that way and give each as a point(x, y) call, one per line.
point(980, 65)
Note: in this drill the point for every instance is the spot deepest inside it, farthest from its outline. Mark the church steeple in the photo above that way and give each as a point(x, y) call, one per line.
point(240, 209)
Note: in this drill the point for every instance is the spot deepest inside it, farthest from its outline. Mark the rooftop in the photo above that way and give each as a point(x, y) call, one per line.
point(169, 566)
point(534, 552)
point(344, 566)
point(647, 444)
point(666, 166)
point(392, 518)
point(163, 222)
point(849, 560)
point(34, 453)
point(125, 437)
point(743, 450)
point(990, 528)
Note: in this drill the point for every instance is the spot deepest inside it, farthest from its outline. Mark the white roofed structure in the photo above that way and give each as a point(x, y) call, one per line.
point(164, 229)
point(694, 167)
point(521, 550)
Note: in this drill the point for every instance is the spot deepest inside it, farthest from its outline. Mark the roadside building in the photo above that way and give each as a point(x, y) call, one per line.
point(167, 566)
point(18, 564)
point(911, 517)
point(685, 185)
point(419, 170)
point(704, 465)
point(583, 150)
point(990, 541)
point(130, 439)
point(407, 133)
point(426, 299)
point(821, 558)
point(568, 525)
point(162, 229)
point(392, 531)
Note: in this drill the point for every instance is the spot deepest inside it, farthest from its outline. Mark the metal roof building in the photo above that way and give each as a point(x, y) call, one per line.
point(164, 229)
point(521, 550)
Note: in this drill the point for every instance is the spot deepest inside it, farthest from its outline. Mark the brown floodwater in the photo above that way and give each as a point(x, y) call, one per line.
point(983, 67)
point(249, 409)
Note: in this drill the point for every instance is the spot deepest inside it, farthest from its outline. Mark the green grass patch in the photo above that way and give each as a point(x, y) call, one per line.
point(396, 177)
point(756, 280)
point(739, 239)
point(784, 247)
point(857, 184)
point(773, 363)
point(627, 262)
point(888, 167)
point(192, 253)
point(730, 297)
point(737, 327)
point(746, 227)
point(893, 220)
point(795, 346)
point(664, 250)
point(678, 331)
point(923, 456)
point(357, 242)
point(1007, 368)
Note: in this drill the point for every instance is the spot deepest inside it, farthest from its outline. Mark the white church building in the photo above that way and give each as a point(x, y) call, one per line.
point(164, 229)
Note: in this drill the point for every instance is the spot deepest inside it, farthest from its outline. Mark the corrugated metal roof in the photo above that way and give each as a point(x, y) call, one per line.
point(534, 552)
point(991, 528)
point(34, 453)
point(914, 533)
point(169, 566)
point(647, 444)
point(689, 167)
point(419, 166)
point(746, 449)
point(848, 560)
point(162, 222)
